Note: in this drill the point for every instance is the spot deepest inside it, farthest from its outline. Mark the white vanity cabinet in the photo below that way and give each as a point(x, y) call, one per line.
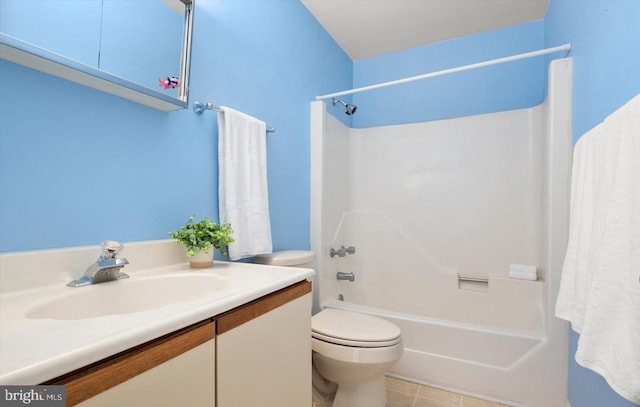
point(264, 351)
point(257, 354)
point(175, 370)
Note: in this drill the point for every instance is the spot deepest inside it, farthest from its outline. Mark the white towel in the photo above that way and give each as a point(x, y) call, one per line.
point(243, 196)
point(523, 272)
point(600, 286)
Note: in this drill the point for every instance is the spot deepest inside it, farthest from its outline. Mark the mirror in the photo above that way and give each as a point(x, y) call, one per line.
point(139, 50)
point(155, 54)
point(50, 25)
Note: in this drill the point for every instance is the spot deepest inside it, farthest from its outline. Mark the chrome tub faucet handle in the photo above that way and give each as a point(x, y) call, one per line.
point(342, 251)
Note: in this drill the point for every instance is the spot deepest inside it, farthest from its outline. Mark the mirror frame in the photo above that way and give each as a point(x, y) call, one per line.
point(32, 56)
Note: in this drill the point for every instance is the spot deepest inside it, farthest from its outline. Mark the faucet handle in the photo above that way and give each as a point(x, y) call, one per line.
point(110, 249)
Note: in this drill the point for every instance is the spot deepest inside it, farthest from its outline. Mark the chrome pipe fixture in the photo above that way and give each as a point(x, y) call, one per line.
point(345, 276)
point(106, 268)
point(199, 107)
point(350, 109)
point(342, 251)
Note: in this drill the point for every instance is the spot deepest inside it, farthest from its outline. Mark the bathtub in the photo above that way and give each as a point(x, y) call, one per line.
point(462, 342)
point(483, 361)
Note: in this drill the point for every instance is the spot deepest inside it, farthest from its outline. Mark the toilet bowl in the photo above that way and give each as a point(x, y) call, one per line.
point(355, 350)
point(350, 349)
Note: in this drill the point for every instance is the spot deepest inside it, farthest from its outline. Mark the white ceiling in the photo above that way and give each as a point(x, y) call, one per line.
point(367, 28)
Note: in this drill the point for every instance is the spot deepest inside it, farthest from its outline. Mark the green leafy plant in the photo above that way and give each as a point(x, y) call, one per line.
point(200, 236)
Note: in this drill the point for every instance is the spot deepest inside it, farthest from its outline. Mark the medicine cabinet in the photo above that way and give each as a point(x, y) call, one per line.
point(132, 49)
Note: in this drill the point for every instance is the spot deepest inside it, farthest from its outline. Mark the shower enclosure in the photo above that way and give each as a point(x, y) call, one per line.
point(437, 211)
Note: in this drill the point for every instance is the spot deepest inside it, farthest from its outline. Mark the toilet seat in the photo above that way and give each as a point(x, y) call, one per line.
point(350, 328)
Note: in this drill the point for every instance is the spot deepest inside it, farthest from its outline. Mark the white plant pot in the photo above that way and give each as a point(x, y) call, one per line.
point(202, 260)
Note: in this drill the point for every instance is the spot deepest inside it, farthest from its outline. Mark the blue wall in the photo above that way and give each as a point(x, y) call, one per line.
point(606, 74)
point(78, 166)
point(605, 37)
point(496, 88)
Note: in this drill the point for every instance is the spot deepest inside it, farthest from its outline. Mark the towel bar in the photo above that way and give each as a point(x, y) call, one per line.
point(200, 107)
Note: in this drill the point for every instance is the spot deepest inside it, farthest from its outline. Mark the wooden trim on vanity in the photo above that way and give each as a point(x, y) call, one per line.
point(92, 380)
point(254, 309)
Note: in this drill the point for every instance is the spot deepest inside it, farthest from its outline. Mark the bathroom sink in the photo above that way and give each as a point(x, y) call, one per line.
point(128, 296)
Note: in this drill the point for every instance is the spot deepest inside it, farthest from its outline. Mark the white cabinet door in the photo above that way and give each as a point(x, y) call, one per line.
point(174, 370)
point(188, 380)
point(266, 361)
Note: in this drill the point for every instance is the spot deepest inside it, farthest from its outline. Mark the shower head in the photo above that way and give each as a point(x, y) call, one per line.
point(350, 109)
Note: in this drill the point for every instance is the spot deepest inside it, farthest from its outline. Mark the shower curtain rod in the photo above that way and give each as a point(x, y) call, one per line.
point(564, 47)
point(200, 107)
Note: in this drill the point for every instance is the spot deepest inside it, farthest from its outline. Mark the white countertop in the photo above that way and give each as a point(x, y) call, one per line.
point(35, 350)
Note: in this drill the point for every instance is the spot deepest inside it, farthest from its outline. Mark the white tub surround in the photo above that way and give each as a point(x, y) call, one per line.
point(34, 348)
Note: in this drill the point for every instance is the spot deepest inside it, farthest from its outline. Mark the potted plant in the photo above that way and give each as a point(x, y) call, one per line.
point(200, 237)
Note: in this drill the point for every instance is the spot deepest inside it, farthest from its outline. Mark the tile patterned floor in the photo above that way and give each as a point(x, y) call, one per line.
point(406, 394)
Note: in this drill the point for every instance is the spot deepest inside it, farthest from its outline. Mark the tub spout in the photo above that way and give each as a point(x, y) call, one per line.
point(345, 276)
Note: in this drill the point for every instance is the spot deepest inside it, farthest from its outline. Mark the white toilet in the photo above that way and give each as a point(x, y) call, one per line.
point(351, 349)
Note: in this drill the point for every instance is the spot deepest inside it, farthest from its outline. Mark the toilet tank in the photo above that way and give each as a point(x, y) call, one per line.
point(288, 258)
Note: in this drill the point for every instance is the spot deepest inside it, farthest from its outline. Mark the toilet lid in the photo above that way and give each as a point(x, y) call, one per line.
point(353, 329)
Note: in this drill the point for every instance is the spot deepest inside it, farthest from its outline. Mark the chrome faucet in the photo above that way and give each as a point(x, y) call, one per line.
point(345, 276)
point(342, 251)
point(106, 268)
